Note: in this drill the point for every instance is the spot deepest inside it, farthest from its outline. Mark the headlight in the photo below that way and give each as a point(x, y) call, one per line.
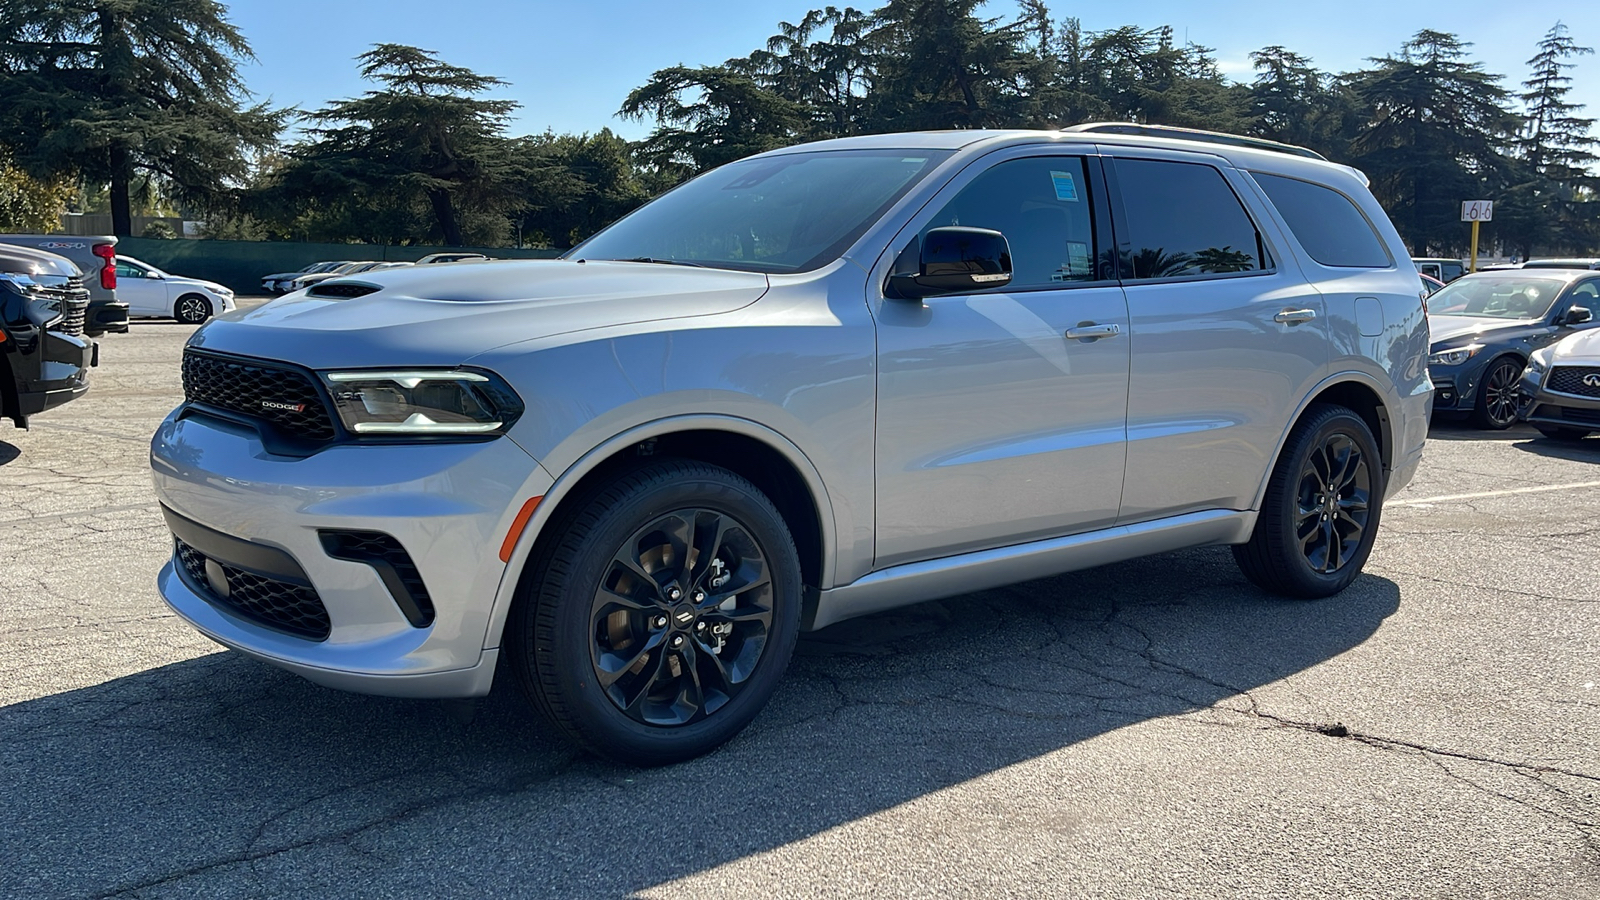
point(423, 402)
point(1454, 357)
point(1534, 373)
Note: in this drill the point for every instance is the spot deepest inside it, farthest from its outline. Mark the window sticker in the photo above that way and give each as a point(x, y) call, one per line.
point(1066, 188)
point(1078, 258)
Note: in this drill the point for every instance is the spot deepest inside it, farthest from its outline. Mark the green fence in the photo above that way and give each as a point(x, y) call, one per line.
point(241, 264)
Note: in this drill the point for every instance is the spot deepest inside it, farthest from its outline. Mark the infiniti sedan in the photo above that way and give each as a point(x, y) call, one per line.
point(1486, 326)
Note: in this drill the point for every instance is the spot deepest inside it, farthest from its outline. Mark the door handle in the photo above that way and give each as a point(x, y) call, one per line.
point(1295, 316)
point(1088, 331)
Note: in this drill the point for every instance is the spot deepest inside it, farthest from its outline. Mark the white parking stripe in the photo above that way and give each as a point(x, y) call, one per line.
point(1425, 501)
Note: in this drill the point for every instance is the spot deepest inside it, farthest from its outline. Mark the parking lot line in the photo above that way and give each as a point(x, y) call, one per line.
point(1540, 489)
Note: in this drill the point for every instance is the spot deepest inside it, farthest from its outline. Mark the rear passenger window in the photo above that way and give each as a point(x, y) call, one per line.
point(1325, 222)
point(1183, 220)
point(1041, 205)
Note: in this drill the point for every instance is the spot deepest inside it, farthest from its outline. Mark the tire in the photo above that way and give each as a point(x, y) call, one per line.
point(1557, 433)
point(613, 660)
point(191, 309)
point(1497, 405)
point(1303, 526)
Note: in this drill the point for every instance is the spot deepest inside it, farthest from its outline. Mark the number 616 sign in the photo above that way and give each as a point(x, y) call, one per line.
point(1477, 210)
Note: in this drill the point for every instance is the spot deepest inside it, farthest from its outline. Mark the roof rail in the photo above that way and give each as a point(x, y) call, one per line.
point(1193, 134)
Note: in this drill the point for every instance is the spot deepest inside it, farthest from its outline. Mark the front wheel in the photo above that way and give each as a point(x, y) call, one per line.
point(1320, 514)
point(1497, 403)
point(191, 309)
point(663, 616)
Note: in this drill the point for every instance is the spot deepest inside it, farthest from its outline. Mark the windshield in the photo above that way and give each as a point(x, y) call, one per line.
point(778, 214)
point(1512, 297)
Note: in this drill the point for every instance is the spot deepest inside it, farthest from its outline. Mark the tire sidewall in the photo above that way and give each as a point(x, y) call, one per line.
point(566, 658)
point(178, 307)
point(1334, 421)
point(1480, 411)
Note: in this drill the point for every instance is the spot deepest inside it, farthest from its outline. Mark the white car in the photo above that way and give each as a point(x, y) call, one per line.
point(149, 291)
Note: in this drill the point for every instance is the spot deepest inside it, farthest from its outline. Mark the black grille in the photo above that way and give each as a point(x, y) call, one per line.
point(288, 607)
point(1570, 380)
point(342, 289)
point(283, 396)
point(392, 563)
point(74, 308)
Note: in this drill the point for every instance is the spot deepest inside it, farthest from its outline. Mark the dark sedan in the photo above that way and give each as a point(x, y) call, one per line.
point(1485, 326)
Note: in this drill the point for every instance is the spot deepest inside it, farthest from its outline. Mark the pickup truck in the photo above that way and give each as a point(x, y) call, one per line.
point(97, 257)
point(44, 356)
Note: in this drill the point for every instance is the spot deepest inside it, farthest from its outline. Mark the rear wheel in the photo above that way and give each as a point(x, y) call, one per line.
point(663, 617)
point(1320, 515)
point(191, 309)
point(1497, 402)
point(1558, 433)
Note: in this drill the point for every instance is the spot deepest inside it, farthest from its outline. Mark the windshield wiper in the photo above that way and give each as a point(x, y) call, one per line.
point(664, 262)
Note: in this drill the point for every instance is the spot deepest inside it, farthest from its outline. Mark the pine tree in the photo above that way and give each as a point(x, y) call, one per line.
point(1437, 126)
point(108, 90)
point(425, 135)
point(1553, 207)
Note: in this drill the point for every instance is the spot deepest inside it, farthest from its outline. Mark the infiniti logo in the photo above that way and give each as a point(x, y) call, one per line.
point(1592, 379)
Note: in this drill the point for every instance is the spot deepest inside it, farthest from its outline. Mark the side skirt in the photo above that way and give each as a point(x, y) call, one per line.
point(934, 579)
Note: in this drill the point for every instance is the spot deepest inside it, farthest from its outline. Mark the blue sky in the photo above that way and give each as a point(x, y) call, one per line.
point(571, 63)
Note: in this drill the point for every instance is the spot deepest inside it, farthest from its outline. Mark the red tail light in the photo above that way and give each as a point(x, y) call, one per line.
point(108, 270)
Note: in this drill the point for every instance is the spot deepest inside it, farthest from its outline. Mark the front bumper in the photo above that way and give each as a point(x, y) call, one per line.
point(1546, 407)
point(448, 505)
point(1454, 389)
point(55, 373)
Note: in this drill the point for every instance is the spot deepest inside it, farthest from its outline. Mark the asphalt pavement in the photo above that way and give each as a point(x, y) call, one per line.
point(1156, 728)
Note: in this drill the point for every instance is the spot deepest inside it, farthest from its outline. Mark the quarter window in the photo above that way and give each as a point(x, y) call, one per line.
point(1325, 222)
point(1183, 220)
point(1041, 205)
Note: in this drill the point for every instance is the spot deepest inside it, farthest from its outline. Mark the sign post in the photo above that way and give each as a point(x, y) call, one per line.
point(1476, 211)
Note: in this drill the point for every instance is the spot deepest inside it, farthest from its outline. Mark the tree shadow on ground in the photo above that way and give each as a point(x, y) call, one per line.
point(220, 775)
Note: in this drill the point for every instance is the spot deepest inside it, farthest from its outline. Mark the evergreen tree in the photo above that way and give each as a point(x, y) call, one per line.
point(711, 115)
point(1552, 207)
point(28, 204)
point(107, 90)
point(937, 65)
point(426, 135)
point(1436, 128)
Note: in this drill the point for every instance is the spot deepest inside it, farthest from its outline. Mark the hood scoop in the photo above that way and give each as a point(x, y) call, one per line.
point(343, 289)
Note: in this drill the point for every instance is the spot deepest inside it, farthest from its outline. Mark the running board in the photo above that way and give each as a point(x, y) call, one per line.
point(934, 579)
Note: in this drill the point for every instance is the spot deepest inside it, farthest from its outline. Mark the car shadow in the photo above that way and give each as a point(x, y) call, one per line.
point(1461, 431)
point(1586, 450)
point(8, 452)
point(220, 773)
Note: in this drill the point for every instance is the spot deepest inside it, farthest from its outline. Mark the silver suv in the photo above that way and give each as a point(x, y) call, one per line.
point(813, 384)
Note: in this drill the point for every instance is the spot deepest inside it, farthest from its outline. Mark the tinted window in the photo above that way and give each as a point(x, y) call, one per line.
point(1586, 295)
point(1326, 223)
point(1497, 297)
point(773, 214)
point(1184, 220)
point(1041, 205)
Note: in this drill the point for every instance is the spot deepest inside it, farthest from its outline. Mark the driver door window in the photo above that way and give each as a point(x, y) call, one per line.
point(1041, 205)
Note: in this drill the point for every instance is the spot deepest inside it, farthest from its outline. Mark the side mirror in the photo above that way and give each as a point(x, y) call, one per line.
point(955, 260)
point(1577, 315)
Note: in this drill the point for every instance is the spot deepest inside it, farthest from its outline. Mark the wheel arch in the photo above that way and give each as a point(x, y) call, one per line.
point(766, 458)
point(210, 303)
point(1361, 394)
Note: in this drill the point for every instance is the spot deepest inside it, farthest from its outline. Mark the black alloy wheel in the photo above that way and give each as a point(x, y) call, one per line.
point(1335, 497)
point(659, 618)
point(191, 309)
point(681, 617)
point(1320, 514)
point(1498, 402)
